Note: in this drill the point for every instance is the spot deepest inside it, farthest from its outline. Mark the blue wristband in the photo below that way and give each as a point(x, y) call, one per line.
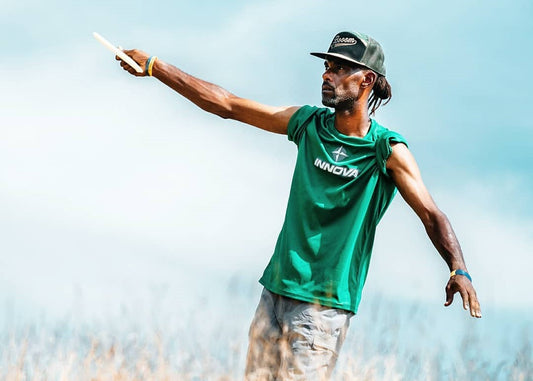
point(461, 272)
point(150, 65)
point(148, 61)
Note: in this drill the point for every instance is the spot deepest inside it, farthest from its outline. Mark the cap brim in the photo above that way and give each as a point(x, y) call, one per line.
point(340, 56)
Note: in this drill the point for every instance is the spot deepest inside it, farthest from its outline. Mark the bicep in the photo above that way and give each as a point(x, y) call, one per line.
point(269, 118)
point(406, 175)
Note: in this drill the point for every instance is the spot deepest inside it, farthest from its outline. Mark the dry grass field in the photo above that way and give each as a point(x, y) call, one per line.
point(387, 341)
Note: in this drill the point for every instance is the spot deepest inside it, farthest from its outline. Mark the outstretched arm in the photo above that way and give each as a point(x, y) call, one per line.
point(406, 175)
point(213, 98)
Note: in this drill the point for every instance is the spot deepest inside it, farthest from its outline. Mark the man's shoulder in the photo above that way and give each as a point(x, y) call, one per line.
point(307, 117)
point(381, 129)
point(306, 111)
point(382, 132)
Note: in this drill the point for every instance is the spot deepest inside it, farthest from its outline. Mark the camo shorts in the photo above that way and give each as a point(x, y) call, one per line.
point(294, 340)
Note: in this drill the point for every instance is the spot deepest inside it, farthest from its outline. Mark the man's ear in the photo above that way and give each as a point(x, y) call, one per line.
point(369, 79)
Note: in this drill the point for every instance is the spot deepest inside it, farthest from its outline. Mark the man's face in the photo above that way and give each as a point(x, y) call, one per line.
point(341, 84)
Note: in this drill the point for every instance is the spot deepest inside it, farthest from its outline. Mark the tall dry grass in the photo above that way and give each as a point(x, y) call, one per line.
point(388, 341)
point(149, 361)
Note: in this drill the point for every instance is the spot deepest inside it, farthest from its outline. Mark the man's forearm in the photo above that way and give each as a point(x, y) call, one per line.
point(210, 97)
point(207, 96)
point(441, 233)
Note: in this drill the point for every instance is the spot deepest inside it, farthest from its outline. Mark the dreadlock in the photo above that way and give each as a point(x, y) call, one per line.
point(381, 91)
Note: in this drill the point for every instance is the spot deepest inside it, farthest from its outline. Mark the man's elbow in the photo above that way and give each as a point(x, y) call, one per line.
point(223, 109)
point(222, 105)
point(224, 113)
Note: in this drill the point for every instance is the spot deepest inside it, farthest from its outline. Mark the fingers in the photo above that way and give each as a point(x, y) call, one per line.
point(468, 295)
point(464, 297)
point(449, 296)
point(127, 67)
point(470, 301)
point(475, 308)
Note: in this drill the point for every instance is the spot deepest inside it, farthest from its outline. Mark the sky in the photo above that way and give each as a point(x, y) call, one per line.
point(110, 184)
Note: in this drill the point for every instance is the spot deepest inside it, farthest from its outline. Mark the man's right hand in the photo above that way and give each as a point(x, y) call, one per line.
point(138, 56)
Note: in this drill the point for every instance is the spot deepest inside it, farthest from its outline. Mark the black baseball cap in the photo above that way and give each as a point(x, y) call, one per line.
point(357, 48)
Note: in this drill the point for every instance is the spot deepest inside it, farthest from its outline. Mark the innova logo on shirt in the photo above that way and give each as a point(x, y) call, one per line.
point(338, 155)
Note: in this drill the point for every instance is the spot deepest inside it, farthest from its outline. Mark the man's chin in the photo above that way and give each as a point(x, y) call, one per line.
point(328, 102)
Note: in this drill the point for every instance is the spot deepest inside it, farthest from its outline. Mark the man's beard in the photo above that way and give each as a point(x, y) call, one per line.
point(339, 104)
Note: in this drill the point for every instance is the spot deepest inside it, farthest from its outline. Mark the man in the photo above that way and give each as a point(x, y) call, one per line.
point(347, 171)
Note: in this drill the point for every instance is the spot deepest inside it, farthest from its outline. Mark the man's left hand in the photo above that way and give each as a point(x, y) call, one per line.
point(463, 286)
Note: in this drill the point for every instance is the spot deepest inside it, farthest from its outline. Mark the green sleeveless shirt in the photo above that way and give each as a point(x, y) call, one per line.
point(340, 190)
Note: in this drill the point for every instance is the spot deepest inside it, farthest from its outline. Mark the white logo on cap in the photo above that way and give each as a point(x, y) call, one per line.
point(343, 41)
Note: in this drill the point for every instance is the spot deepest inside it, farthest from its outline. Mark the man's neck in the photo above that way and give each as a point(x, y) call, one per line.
point(355, 122)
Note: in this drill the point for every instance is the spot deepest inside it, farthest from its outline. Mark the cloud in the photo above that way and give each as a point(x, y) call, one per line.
point(97, 164)
point(96, 155)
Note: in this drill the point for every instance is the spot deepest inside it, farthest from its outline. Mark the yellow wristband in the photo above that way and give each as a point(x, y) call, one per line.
point(151, 62)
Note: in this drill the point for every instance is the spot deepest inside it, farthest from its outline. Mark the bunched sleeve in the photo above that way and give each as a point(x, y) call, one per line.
point(384, 148)
point(298, 123)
